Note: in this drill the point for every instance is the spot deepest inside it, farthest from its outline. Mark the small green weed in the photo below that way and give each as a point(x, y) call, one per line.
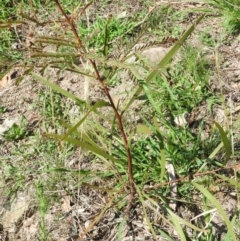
point(2, 109)
point(8, 9)
point(17, 132)
point(51, 104)
point(206, 37)
point(16, 176)
point(43, 205)
point(7, 38)
point(8, 54)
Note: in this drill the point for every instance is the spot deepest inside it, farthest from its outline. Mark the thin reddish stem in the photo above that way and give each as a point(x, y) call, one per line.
point(118, 116)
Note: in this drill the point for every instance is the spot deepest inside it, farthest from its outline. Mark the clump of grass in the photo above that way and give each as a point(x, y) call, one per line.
point(230, 11)
point(185, 86)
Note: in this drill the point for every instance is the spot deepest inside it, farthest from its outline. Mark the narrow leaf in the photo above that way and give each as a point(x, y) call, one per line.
point(215, 151)
point(120, 230)
point(218, 206)
point(81, 172)
point(228, 235)
point(96, 150)
point(145, 213)
point(58, 89)
point(177, 225)
point(165, 60)
point(225, 141)
point(105, 49)
point(181, 220)
point(162, 151)
point(139, 129)
point(165, 236)
point(99, 104)
point(229, 180)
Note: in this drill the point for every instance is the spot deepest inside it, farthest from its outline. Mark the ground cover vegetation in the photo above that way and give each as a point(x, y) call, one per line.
point(110, 141)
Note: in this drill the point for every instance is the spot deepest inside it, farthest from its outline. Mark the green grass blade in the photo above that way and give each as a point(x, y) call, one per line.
point(99, 104)
point(177, 225)
point(225, 141)
point(172, 52)
point(228, 235)
point(216, 150)
point(145, 213)
point(148, 94)
point(165, 236)
point(162, 151)
point(58, 89)
point(180, 220)
point(120, 230)
point(218, 206)
point(95, 149)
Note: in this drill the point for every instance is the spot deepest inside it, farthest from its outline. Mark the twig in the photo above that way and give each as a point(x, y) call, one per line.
point(118, 116)
point(70, 22)
point(189, 177)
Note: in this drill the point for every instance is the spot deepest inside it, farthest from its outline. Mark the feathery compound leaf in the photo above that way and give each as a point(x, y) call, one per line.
point(53, 55)
point(57, 41)
point(9, 24)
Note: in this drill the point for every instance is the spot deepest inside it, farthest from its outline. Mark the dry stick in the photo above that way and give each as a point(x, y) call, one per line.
point(81, 11)
point(187, 178)
point(118, 116)
point(98, 217)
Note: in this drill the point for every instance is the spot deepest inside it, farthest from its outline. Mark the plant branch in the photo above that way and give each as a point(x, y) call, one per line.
point(118, 116)
point(189, 177)
point(70, 22)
